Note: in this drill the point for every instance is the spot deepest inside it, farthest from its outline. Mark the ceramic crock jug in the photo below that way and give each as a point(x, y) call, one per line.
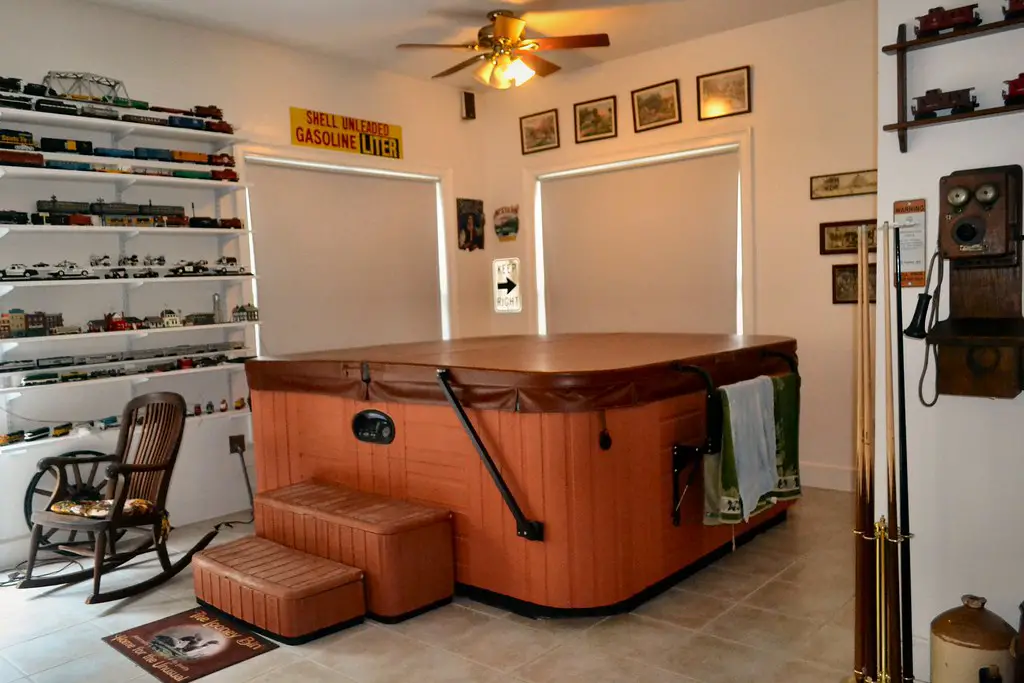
point(968, 638)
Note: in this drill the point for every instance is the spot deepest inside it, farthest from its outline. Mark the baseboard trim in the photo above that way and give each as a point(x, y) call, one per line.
point(819, 476)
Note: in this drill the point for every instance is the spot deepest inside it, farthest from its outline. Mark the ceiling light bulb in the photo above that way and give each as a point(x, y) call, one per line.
point(484, 71)
point(518, 72)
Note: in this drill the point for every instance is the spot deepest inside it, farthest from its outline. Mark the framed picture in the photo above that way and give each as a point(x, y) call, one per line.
point(723, 93)
point(539, 132)
point(656, 106)
point(597, 119)
point(844, 184)
point(841, 237)
point(844, 283)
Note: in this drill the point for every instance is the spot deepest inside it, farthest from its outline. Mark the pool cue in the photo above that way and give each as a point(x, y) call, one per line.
point(905, 605)
point(865, 607)
point(890, 546)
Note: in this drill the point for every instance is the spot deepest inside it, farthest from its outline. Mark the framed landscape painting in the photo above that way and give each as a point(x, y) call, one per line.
point(539, 132)
point(656, 106)
point(723, 93)
point(597, 119)
point(841, 237)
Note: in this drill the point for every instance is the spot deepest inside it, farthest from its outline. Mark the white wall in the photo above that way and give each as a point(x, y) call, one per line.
point(813, 113)
point(255, 83)
point(966, 473)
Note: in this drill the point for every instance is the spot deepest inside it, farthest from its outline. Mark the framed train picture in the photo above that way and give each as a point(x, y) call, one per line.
point(841, 237)
point(849, 184)
point(845, 283)
point(724, 93)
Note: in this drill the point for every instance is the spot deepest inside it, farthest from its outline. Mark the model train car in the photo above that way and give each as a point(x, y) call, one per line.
point(208, 112)
point(68, 165)
point(114, 153)
point(13, 218)
point(69, 146)
point(184, 122)
point(222, 160)
point(149, 120)
point(940, 19)
point(151, 154)
point(15, 102)
point(53, 205)
point(98, 112)
point(1014, 93)
point(21, 159)
point(56, 107)
point(231, 223)
point(1014, 10)
point(933, 101)
point(17, 139)
point(161, 210)
point(10, 84)
point(225, 174)
point(190, 157)
point(220, 127)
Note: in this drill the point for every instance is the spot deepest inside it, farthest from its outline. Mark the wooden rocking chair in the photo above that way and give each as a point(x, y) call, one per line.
point(138, 476)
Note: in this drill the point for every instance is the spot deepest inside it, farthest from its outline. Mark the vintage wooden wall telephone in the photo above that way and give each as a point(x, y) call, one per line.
point(978, 348)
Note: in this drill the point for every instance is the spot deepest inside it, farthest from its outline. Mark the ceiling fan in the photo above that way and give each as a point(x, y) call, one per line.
point(507, 57)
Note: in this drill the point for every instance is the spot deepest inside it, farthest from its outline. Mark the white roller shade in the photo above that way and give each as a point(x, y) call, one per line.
point(344, 260)
point(644, 249)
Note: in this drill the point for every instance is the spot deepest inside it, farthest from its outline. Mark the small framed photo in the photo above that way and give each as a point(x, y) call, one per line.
point(657, 106)
point(841, 237)
point(539, 132)
point(723, 93)
point(597, 119)
point(844, 184)
point(844, 283)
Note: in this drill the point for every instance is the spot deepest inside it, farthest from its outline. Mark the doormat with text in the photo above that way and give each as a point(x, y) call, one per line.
point(189, 645)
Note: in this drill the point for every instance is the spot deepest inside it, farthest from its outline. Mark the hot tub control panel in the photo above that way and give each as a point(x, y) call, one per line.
point(373, 426)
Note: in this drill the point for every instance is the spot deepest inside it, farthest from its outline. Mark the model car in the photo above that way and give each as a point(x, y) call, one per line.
point(99, 261)
point(154, 260)
point(19, 270)
point(189, 268)
point(40, 265)
point(128, 260)
point(148, 272)
point(228, 265)
point(68, 269)
point(116, 274)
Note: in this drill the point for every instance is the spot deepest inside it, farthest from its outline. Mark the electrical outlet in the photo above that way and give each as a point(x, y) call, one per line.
point(236, 443)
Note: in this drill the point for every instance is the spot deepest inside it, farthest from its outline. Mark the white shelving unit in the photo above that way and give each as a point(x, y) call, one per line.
point(29, 407)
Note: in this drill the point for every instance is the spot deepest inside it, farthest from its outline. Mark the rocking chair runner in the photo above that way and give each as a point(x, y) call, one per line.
point(139, 475)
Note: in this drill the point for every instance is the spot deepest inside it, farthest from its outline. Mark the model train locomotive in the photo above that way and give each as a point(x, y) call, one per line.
point(13, 95)
point(933, 101)
point(940, 19)
point(1014, 10)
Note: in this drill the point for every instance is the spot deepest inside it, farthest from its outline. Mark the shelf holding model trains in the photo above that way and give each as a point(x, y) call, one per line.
point(24, 141)
point(82, 94)
point(962, 101)
point(37, 160)
point(53, 211)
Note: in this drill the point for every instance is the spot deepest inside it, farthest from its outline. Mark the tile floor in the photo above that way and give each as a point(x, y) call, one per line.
point(777, 610)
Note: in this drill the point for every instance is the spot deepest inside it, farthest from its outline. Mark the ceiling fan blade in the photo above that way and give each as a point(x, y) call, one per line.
point(569, 42)
point(509, 27)
point(540, 65)
point(464, 46)
point(460, 66)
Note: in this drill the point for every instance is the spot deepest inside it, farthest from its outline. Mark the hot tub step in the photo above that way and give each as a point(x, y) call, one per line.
point(405, 549)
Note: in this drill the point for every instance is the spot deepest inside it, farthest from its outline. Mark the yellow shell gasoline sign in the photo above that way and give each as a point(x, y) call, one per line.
point(345, 134)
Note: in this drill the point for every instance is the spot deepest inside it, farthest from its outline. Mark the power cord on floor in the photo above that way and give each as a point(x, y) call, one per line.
point(15, 575)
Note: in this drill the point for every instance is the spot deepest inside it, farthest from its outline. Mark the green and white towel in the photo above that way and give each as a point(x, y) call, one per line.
point(721, 487)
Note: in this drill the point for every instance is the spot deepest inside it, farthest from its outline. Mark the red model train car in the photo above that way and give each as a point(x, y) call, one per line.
point(225, 174)
point(940, 19)
point(1014, 10)
point(220, 127)
point(222, 160)
point(1014, 93)
point(21, 159)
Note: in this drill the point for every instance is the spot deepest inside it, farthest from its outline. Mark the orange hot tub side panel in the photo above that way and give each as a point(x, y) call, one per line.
point(606, 514)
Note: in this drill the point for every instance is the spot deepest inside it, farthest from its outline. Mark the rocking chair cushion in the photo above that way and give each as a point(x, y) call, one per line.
point(100, 509)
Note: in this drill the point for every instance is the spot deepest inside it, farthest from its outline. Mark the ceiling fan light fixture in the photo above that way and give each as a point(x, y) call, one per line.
point(484, 71)
point(518, 72)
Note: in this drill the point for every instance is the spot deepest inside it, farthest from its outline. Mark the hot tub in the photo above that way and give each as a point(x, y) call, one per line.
point(561, 457)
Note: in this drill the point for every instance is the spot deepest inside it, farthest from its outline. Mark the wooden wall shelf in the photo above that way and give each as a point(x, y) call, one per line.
point(955, 36)
point(953, 118)
point(902, 46)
